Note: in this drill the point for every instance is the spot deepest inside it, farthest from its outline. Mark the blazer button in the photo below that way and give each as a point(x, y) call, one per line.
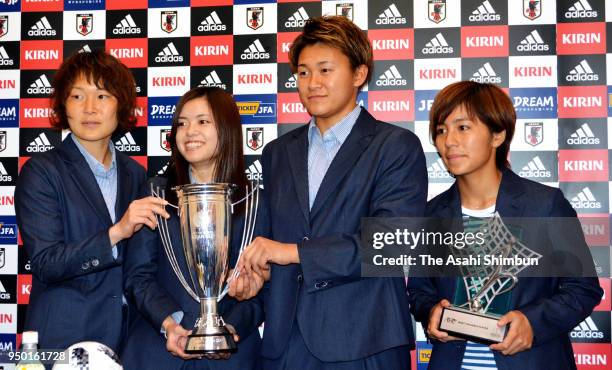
point(95, 262)
point(300, 278)
point(305, 239)
point(321, 284)
point(85, 265)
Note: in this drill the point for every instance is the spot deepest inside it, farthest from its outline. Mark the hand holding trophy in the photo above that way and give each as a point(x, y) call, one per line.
point(205, 211)
point(483, 284)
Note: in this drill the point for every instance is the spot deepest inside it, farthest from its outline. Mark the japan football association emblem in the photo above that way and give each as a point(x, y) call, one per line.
point(532, 9)
point(534, 133)
point(168, 20)
point(254, 137)
point(255, 17)
point(2, 140)
point(345, 10)
point(84, 23)
point(436, 10)
point(3, 25)
point(164, 134)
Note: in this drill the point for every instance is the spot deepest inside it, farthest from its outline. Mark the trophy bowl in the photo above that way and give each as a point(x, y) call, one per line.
point(205, 212)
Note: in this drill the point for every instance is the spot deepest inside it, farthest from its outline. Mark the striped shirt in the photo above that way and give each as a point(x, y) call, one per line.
point(477, 356)
point(323, 148)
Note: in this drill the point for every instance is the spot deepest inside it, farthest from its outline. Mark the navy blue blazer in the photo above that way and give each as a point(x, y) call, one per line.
point(77, 283)
point(379, 171)
point(156, 291)
point(553, 305)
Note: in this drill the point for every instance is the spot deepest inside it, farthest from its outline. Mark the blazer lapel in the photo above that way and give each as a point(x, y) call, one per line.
point(508, 202)
point(360, 137)
point(451, 205)
point(85, 180)
point(510, 205)
point(449, 218)
point(297, 152)
point(124, 186)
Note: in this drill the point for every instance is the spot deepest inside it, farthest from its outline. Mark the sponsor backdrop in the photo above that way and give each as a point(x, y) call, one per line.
point(552, 58)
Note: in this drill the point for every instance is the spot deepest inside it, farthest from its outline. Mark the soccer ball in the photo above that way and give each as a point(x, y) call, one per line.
point(89, 356)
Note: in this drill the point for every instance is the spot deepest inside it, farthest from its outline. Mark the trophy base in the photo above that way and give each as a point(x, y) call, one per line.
point(210, 343)
point(472, 326)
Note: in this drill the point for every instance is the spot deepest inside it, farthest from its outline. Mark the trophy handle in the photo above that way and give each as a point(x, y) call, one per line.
point(164, 233)
point(248, 194)
point(251, 204)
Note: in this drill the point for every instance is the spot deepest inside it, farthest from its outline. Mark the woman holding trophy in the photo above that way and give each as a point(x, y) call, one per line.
point(75, 208)
point(206, 143)
point(472, 125)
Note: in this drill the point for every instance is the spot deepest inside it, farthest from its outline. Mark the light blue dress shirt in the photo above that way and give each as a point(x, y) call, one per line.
point(106, 179)
point(323, 148)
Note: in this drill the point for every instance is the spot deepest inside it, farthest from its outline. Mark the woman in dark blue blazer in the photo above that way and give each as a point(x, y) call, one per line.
point(206, 143)
point(74, 207)
point(472, 125)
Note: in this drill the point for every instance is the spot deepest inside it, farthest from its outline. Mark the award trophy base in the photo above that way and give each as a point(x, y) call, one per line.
point(473, 326)
point(220, 342)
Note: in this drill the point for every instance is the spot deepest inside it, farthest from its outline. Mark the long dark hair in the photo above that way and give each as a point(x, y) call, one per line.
point(229, 165)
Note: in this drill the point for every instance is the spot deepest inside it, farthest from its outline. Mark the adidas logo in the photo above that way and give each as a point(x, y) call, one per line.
point(4, 176)
point(587, 329)
point(212, 23)
point(484, 13)
point(42, 28)
point(85, 49)
point(437, 170)
point(391, 77)
point(127, 144)
point(253, 173)
point(255, 51)
point(40, 86)
point(535, 169)
point(585, 200)
point(437, 45)
point(169, 54)
point(582, 72)
point(291, 82)
point(5, 60)
point(583, 136)
point(163, 169)
point(3, 293)
point(533, 42)
point(298, 19)
point(486, 74)
point(127, 26)
point(39, 145)
point(391, 15)
point(581, 9)
point(212, 80)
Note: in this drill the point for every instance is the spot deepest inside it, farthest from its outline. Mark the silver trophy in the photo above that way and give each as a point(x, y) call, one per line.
point(483, 283)
point(205, 217)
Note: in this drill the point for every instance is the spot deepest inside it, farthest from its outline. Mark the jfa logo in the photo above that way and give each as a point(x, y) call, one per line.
point(168, 20)
point(255, 17)
point(84, 23)
point(257, 108)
